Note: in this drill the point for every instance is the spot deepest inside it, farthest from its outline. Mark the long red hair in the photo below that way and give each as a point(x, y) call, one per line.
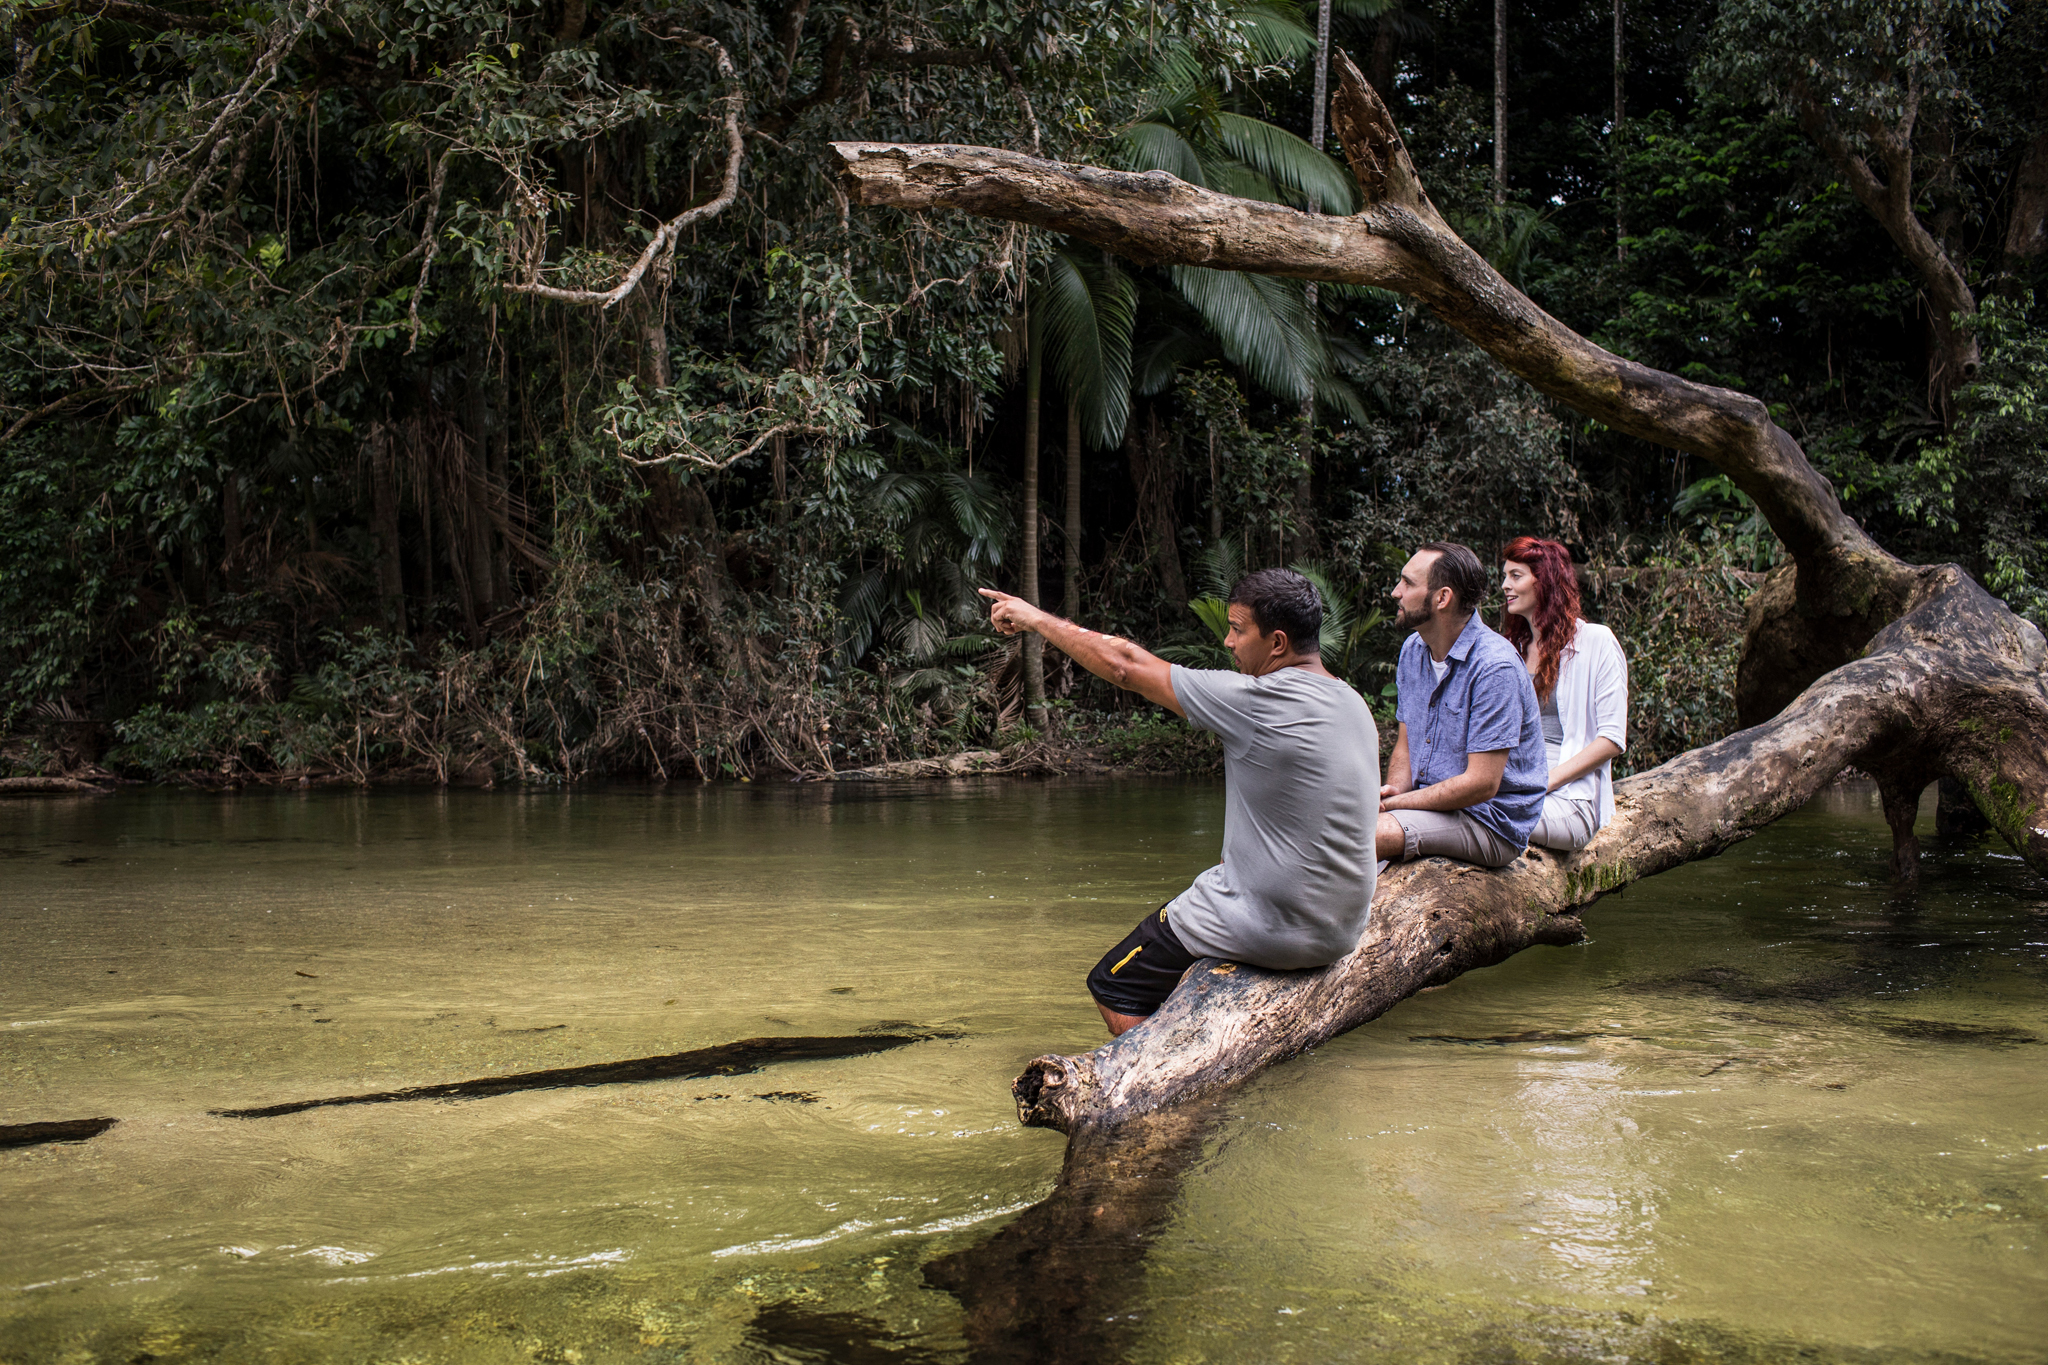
point(1557, 610)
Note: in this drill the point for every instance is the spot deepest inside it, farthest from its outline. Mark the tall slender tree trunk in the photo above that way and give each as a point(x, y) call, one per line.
point(1500, 102)
point(1385, 60)
point(1070, 598)
point(1620, 112)
point(476, 487)
point(1152, 479)
point(1215, 492)
point(1034, 648)
point(384, 518)
point(1304, 510)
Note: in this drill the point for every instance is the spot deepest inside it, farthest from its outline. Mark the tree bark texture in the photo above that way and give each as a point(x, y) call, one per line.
point(1954, 688)
point(1843, 586)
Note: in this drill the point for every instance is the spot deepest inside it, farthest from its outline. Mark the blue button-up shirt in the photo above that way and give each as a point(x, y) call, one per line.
point(1485, 702)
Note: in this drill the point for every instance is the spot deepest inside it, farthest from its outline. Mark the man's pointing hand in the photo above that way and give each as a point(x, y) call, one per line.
point(1009, 615)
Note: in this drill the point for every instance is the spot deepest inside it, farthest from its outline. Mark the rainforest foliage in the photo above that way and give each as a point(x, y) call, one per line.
point(505, 390)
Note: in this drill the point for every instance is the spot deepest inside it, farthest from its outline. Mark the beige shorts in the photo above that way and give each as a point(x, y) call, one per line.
point(1452, 834)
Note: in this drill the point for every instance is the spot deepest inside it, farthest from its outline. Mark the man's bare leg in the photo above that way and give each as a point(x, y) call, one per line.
point(1389, 839)
point(1119, 1024)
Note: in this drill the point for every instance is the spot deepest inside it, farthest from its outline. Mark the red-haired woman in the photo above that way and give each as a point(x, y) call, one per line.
point(1581, 679)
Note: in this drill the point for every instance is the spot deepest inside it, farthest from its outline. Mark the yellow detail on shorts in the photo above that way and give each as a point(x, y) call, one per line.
point(1162, 914)
point(1127, 957)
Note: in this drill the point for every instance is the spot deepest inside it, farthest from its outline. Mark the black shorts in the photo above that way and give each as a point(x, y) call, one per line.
point(1137, 975)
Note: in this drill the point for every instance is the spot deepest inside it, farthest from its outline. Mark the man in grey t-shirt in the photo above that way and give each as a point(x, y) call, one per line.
point(1301, 793)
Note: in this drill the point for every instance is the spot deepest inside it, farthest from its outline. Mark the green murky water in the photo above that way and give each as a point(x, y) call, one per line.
point(1767, 1112)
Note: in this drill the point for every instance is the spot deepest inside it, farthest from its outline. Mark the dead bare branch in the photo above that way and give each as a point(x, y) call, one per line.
point(663, 244)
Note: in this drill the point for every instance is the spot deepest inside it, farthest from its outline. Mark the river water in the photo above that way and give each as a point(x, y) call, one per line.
point(1767, 1111)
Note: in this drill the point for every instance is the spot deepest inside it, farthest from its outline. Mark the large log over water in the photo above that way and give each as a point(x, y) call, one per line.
point(1818, 613)
point(1954, 688)
point(1912, 673)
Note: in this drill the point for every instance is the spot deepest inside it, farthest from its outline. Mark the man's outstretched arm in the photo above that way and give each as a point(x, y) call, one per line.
point(1109, 657)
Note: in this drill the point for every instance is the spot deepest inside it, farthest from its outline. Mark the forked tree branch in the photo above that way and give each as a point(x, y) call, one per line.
point(663, 243)
point(1400, 242)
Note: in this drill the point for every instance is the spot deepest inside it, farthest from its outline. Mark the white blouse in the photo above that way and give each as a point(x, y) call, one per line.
point(1592, 703)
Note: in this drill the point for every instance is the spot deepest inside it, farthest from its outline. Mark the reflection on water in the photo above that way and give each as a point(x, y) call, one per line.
point(1768, 1110)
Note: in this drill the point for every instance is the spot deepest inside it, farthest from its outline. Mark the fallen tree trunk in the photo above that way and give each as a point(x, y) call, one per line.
point(1954, 688)
point(1842, 587)
point(1911, 673)
point(49, 786)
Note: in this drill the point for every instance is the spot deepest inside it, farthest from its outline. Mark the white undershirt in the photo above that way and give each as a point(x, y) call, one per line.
point(1442, 666)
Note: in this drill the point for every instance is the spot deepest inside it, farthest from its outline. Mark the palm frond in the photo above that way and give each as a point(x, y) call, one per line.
point(1155, 363)
point(1344, 397)
point(923, 680)
point(1291, 163)
point(919, 637)
point(1158, 146)
point(1218, 568)
point(1228, 175)
point(1262, 324)
point(1083, 314)
point(1275, 31)
point(1197, 656)
point(862, 604)
point(897, 494)
point(1214, 613)
point(1337, 613)
point(980, 510)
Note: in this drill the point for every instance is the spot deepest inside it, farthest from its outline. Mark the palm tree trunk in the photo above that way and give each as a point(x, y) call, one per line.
point(1215, 492)
point(1034, 648)
point(1318, 113)
point(1500, 102)
point(1071, 563)
point(1620, 223)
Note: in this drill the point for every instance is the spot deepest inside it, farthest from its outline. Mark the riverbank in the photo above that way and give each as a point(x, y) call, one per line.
point(1084, 744)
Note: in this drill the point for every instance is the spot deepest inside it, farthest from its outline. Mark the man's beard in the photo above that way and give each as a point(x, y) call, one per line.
point(1404, 621)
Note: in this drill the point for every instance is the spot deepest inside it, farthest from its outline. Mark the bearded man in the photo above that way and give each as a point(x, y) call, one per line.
point(1468, 773)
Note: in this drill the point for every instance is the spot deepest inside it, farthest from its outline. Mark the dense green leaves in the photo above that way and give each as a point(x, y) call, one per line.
point(302, 467)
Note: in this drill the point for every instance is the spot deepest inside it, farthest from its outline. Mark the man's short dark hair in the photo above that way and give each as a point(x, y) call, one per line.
point(1458, 569)
point(1281, 599)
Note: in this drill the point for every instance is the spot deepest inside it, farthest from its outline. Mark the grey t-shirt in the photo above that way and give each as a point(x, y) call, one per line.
point(1301, 774)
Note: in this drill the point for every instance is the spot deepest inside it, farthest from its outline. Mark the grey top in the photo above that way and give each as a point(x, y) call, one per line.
point(1553, 724)
point(1301, 775)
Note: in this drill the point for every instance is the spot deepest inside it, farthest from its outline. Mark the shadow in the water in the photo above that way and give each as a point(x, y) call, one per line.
point(783, 1332)
point(1059, 1284)
point(727, 1059)
point(1540, 1035)
point(67, 1130)
point(1937, 1031)
point(1732, 983)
